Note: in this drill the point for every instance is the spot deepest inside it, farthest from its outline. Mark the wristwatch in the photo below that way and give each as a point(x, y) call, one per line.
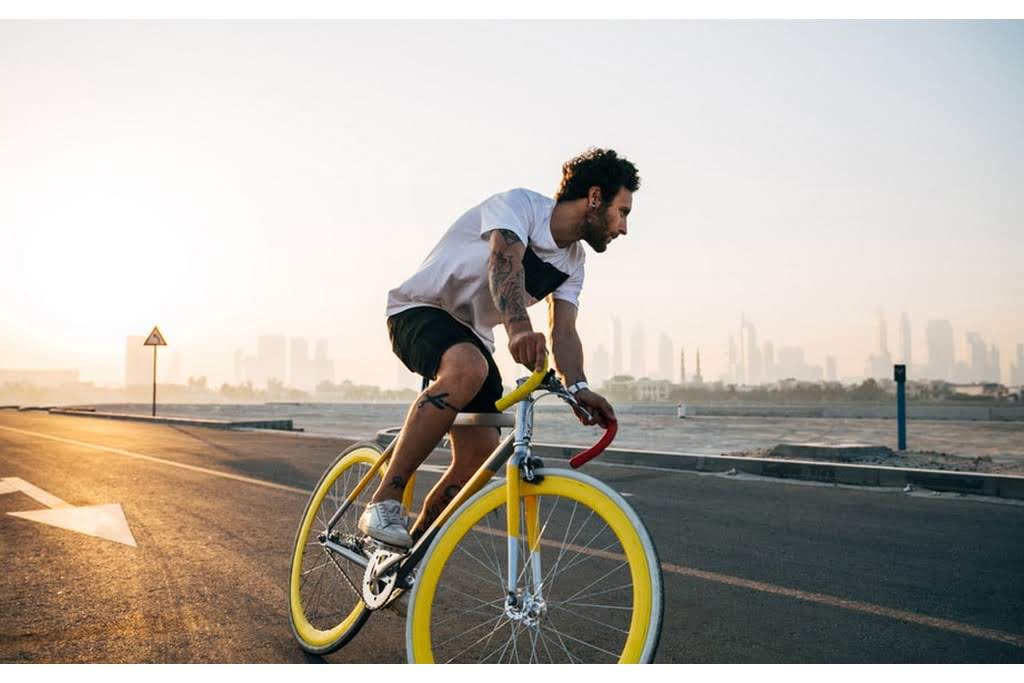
point(577, 387)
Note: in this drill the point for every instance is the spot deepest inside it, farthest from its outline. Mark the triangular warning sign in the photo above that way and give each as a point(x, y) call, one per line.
point(155, 338)
point(102, 521)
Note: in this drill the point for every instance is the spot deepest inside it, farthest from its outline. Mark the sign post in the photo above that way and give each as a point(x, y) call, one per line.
point(154, 339)
point(900, 375)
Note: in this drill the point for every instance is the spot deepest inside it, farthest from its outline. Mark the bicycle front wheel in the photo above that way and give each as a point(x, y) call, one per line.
point(326, 608)
point(590, 592)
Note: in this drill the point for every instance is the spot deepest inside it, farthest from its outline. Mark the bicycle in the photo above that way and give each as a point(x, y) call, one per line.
point(545, 564)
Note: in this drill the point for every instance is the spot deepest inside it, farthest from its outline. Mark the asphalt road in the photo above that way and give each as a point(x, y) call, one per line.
point(755, 570)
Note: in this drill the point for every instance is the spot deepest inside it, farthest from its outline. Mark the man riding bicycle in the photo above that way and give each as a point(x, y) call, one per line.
point(498, 258)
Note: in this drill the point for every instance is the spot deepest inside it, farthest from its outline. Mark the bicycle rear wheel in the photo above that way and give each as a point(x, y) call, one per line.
point(600, 597)
point(325, 604)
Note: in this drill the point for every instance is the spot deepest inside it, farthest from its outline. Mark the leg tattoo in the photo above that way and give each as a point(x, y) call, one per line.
point(437, 401)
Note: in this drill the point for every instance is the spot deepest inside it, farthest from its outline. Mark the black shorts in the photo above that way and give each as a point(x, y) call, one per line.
point(420, 336)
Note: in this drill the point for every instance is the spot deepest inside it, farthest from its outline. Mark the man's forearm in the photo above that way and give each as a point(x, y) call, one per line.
point(507, 280)
point(568, 351)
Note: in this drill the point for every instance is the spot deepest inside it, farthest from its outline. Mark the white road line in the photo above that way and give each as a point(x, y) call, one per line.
point(162, 461)
point(818, 598)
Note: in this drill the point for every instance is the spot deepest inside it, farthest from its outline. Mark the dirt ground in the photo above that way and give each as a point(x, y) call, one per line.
point(931, 460)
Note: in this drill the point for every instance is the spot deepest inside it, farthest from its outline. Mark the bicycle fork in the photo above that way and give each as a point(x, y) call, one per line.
point(526, 605)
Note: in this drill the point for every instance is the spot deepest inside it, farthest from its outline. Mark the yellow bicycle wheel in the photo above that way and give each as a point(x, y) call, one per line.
point(325, 604)
point(589, 591)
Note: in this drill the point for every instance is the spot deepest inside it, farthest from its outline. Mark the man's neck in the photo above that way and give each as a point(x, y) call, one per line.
point(567, 222)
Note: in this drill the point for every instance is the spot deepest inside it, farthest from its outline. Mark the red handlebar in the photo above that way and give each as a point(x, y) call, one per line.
point(609, 435)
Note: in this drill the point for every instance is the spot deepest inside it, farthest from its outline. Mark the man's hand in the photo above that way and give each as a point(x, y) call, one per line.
point(528, 348)
point(599, 408)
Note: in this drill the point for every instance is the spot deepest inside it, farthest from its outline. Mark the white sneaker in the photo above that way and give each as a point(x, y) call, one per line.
point(385, 522)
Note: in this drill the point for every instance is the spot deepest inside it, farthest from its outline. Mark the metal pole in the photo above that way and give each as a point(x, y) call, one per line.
point(900, 375)
point(901, 414)
point(154, 381)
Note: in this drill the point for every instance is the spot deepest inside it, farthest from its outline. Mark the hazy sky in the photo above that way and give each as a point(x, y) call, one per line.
point(226, 180)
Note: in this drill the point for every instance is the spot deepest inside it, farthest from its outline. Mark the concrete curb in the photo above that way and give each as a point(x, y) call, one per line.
point(973, 483)
point(282, 425)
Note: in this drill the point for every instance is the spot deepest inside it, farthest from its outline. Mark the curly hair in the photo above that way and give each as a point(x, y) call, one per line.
point(601, 167)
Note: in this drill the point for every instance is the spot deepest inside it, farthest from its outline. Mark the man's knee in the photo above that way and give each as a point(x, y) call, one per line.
point(464, 367)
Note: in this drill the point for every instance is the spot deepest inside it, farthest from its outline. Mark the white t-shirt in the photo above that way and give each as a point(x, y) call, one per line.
point(454, 276)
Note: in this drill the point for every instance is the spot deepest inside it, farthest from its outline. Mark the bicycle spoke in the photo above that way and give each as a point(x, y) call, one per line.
point(497, 625)
point(551, 627)
point(482, 608)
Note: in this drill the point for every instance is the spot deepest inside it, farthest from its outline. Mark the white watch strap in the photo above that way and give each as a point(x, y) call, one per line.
point(577, 387)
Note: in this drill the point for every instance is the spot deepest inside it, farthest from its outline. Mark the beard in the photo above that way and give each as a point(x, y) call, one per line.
point(596, 228)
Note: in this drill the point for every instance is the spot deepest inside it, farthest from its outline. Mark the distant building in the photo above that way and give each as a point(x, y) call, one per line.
point(792, 366)
point(651, 390)
point(138, 362)
point(323, 367)
point(879, 364)
point(750, 354)
point(831, 371)
point(664, 357)
point(682, 366)
point(270, 351)
point(43, 379)
point(698, 379)
point(906, 355)
point(941, 352)
point(984, 359)
point(1017, 368)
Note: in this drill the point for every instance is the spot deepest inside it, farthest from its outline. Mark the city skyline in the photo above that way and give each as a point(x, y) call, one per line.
point(797, 174)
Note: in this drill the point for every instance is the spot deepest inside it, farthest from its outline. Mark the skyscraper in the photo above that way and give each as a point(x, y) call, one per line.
point(977, 352)
point(698, 379)
point(750, 354)
point(616, 346)
point(270, 354)
point(323, 367)
point(879, 364)
point(905, 353)
point(939, 338)
point(664, 357)
point(831, 372)
point(682, 366)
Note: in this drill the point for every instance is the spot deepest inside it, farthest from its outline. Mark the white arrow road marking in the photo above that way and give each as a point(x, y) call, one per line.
point(103, 521)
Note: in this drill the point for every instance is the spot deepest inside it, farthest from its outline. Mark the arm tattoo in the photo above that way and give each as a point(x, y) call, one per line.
point(437, 401)
point(507, 281)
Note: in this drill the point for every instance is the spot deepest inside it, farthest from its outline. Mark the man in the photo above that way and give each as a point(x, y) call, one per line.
point(507, 253)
